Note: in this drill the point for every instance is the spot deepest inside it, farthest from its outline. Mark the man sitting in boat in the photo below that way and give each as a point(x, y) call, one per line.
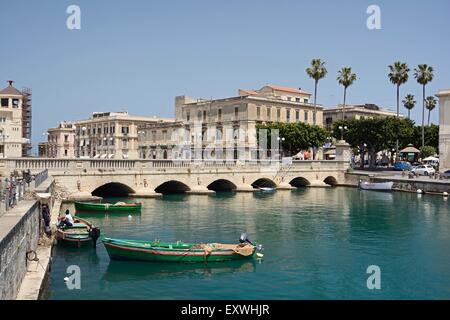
point(67, 220)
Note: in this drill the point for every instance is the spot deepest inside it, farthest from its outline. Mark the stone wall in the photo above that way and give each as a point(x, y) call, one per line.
point(21, 238)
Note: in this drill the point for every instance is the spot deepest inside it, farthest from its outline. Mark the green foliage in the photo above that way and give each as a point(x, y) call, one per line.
point(409, 103)
point(346, 77)
point(317, 70)
point(431, 136)
point(298, 135)
point(423, 74)
point(427, 151)
point(398, 74)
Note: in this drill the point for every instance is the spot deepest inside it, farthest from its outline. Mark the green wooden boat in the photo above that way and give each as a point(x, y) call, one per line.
point(81, 232)
point(108, 207)
point(158, 251)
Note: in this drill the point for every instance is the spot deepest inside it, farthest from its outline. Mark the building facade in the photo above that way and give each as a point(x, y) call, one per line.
point(360, 111)
point(444, 130)
point(15, 122)
point(112, 135)
point(227, 128)
point(60, 142)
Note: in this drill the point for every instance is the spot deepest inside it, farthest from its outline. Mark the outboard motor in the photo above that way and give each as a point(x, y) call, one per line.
point(244, 238)
point(95, 234)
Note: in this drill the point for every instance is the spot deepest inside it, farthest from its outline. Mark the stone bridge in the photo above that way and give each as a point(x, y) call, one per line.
point(146, 178)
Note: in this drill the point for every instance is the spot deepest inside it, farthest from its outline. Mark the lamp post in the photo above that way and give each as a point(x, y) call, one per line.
point(280, 141)
point(342, 128)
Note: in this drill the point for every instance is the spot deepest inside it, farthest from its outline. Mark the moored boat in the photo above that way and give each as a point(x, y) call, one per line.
point(378, 186)
point(109, 207)
point(158, 251)
point(81, 232)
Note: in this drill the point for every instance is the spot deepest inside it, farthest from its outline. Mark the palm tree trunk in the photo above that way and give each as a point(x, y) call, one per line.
point(409, 113)
point(315, 101)
point(343, 106)
point(423, 116)
point(429, 113)
point(398, 114)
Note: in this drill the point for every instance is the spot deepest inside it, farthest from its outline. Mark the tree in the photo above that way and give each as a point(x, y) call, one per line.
point(346, 79)
point(430, 105)
point(409, 103)
point(383, 134)
point(317, 71)
point(398, 75)
point(431, 136)
point(427, 151)
point(423, 74)
point(297, 136)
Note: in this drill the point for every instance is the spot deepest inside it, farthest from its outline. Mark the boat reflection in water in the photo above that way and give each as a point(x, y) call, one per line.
point(124, 271)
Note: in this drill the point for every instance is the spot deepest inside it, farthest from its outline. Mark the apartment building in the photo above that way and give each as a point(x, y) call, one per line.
point(60, 142)
point(109, 135)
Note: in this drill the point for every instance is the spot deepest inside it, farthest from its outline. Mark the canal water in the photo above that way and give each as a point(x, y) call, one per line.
point(318, 244)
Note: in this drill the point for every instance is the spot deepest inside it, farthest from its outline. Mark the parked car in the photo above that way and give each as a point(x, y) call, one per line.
point(446, 174)
point(402, 165)
point(423, 170)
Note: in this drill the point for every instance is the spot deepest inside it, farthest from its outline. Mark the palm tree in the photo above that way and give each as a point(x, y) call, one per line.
point(346, 78)
point(409, 103)
point(398, 75)
point(430, 105)
point(317, 71)
point(423, 74)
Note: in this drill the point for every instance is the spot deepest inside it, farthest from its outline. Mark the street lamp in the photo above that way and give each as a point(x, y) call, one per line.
point(280, 140)
point(342, 128)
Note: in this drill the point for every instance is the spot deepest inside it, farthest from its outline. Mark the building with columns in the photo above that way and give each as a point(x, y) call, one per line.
point(444, 130)
point(15, 122)
point(226, 128)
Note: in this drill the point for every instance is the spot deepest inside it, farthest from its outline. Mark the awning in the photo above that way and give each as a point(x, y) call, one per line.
point(110, 156)
point(431, 159)
point(410, 149)
point(330, 152)
point(103, 156)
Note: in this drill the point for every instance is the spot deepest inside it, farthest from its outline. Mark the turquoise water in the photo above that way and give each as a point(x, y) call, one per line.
point(318, 244)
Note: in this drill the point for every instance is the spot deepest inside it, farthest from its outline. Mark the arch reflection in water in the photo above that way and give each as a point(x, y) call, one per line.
point(123, 271)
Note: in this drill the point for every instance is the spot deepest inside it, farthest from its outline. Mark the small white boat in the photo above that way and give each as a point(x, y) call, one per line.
point(267, 189)
point(379, 186)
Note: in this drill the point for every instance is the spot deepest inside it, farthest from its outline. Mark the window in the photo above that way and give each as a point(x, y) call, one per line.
point(297, 99)
point(278, 114)
point(188, 115)
point(154, 136)
point(106, 130)
point(236, 133)
point(93, 130)
point(236, 113)
point(66, 138)
point(125, 130)
point(219, 114)
point(199, 115)
point(219, 134)
point(125, 144)
point(305, 100)
point(288, 115)
point(164, 135)
point(306, 115)
point(268, 114)
point(5, 102)
point(258, 113)
point(204, 115)
point(66, 153)
point(15, 103)
point(297, 115)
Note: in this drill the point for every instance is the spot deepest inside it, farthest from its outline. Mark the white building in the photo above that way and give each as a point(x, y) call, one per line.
point(15, 122)
point(444, 130)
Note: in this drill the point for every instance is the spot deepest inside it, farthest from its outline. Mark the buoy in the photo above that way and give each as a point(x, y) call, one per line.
point(259, 255)
point(445, 194)
point(129, 217)
point(419, 191)
point(66, 279)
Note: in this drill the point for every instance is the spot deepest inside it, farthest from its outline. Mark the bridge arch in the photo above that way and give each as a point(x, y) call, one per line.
point(330, 180)
point(113, 189)
point(299, 182)
point(264, 183)
point(222, 185)
point(172, 186)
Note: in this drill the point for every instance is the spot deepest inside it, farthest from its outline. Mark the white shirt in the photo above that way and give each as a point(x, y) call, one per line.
point(69, 218)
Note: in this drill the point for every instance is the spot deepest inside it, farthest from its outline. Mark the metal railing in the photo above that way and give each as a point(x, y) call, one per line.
point(12, 190)
point(40, 177)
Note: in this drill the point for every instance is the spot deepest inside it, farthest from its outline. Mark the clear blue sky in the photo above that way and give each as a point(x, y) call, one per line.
point(139, 55)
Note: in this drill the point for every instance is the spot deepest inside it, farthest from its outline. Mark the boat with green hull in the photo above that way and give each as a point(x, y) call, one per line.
point(108, 207)
point(80, 233)
point(158, 251)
